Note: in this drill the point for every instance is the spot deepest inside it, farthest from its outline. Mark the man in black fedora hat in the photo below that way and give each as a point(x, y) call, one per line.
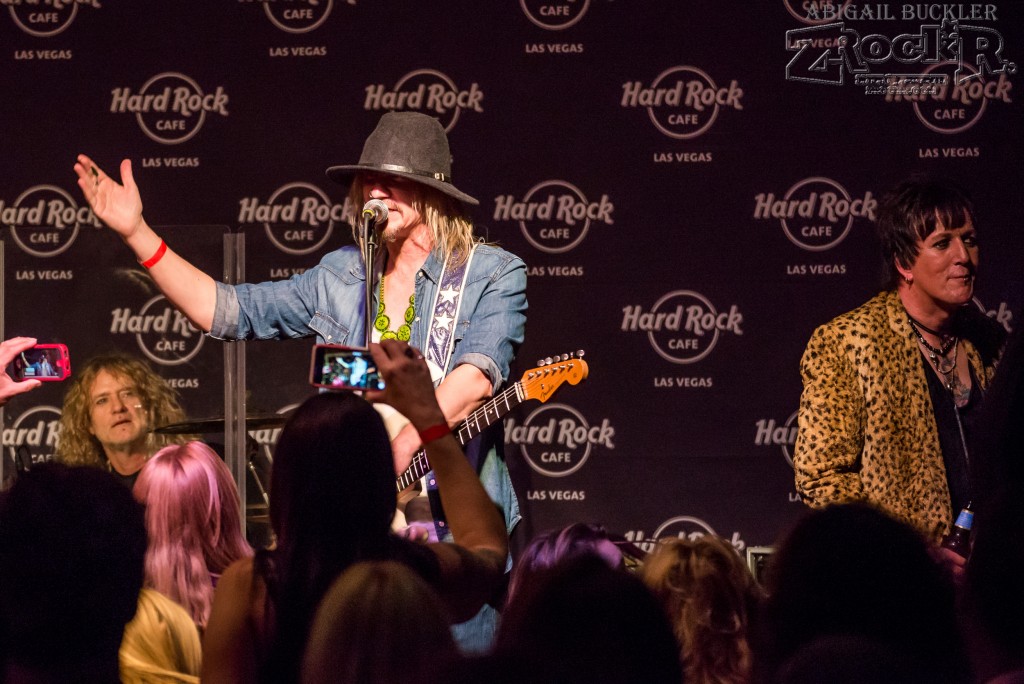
point(459, 301)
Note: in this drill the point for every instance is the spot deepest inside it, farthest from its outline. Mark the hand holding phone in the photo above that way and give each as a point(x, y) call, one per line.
point(9, 350)
point(344, 368)
point(43, 362)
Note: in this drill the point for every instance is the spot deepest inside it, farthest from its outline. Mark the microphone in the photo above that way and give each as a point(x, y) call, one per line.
point(375, 210)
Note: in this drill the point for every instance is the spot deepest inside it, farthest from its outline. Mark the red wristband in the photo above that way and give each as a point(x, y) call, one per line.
point(160, 251)
point(434, 432)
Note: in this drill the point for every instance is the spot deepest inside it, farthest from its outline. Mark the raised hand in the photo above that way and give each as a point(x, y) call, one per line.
point(119, 206)
point(407, 385)
point(9, 349)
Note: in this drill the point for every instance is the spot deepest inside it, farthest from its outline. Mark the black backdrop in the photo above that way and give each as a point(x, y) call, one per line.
point(691, 197)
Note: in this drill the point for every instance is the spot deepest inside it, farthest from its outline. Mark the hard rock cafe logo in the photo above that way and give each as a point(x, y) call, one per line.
point(170, 107)
point(301, 16)
point(556, 439)
point(162, 332)
point(816, 213)
point(554, 215)
point(428, 91)
point(298, 217)
point(955, 105)
point(554, 15)
point(44, 220)
point(681, 527)
point(683, 101)
point(47, 18)
point(37, 431)
point(1001, 314)
point(266, 438)
point(683, 326)
point(768, 432)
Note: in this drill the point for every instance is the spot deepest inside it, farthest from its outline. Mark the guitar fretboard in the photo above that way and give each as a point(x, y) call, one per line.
point(475, 423)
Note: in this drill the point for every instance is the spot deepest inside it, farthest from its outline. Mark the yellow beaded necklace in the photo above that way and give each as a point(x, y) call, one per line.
point(382, 323)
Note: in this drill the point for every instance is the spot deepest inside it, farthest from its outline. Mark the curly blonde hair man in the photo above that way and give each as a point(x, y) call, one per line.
point(109, 411)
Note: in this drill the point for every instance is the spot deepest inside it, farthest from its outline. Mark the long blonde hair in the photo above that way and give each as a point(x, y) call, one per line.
point(77, 445)
point(161, 644)
point(709, 595)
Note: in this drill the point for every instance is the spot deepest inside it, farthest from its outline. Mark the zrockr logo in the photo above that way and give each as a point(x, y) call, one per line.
point(683, 326)
point(50, 20)
point(170, 107)
point(816, 213)
point(554, 215)
point(162, 332)
point(681, 527)
point(556, 439)
point(825, 54)
point(428, 91)
point(784, 436)
point(297, 16)
point(45, 219)
point(38, 430)
point(553, 15)
point(298, 217)
point(682, 101)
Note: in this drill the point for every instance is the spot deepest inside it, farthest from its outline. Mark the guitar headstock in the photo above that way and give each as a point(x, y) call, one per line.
point(541, 382)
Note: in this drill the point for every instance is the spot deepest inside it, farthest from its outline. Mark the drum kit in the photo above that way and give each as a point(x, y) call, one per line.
point(258, 464)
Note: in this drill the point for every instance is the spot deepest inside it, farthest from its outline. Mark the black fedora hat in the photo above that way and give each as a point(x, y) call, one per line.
point(410, 145)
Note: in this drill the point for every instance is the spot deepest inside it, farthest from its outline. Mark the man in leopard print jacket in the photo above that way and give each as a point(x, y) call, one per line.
point(889, 385)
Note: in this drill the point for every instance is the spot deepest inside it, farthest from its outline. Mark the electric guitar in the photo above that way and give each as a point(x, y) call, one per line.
point(539, 383)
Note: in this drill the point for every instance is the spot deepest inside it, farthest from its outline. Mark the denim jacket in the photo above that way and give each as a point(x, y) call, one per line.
point(327, 300)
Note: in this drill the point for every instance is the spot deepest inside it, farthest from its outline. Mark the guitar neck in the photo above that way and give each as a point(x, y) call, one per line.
point(475, 423)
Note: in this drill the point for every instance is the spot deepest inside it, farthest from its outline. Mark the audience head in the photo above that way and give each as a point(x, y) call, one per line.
point(332, 498)
point(161, 644)
point(582, 621)
point(113, 403)
point(380, 623)
point(72, 542)
point(554, 546)
point(333, 479)
point(994, 590)
point(710, 597)
point(193, 517)
point(848, 659)
point(851, 569)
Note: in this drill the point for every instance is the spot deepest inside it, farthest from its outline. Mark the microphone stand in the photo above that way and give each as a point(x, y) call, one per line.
point(369, 238)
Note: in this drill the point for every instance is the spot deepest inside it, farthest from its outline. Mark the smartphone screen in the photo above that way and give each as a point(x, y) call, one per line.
point(46, 362)
point(337, 367)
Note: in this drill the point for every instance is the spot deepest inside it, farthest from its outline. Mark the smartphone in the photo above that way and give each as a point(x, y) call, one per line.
point(46, 362)
point(343, 368)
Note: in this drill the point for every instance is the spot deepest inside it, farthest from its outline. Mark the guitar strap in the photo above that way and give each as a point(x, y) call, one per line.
point(444, 317)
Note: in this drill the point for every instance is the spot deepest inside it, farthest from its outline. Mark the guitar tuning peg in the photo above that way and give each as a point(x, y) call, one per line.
point(565, 357)
point(548, 361)
point(579, 353)
point(540, 362)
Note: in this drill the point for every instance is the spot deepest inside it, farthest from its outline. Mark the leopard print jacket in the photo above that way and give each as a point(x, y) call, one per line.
point(866, 424)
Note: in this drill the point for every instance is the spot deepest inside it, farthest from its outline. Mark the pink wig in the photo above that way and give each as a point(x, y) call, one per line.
point(193, 518)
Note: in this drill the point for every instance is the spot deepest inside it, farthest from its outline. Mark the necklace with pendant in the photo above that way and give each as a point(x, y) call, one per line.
point(382, 323)
point(945, 367)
